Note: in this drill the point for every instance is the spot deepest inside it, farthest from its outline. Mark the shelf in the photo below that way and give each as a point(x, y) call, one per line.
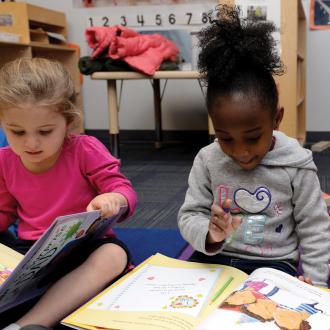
point(43, 16)
point(39, 45)
point(11, 44)
point(23, 18)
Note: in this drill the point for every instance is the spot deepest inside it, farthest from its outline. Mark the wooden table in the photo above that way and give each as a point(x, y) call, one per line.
point(112, 77)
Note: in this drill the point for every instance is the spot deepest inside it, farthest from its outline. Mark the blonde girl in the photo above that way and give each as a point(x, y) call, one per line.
point(47, 171)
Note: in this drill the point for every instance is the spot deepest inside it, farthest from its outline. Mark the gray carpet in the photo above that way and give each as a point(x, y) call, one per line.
point(160, 179)
point(322, 161)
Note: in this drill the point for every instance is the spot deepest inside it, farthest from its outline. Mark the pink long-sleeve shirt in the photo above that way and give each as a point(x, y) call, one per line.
point(84, 170)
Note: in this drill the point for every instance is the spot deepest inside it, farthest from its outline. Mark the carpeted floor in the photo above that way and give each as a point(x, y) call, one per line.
point(322, 161)
point(160, 179)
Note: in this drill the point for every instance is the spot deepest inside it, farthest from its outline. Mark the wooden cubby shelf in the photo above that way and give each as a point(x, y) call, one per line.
point(27, 21)
point(23, 18)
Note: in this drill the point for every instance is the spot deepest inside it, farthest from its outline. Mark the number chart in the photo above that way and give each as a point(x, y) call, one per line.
point(194, 15)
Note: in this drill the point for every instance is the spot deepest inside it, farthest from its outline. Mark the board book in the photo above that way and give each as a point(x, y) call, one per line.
point(169, 294)
point(25, 277)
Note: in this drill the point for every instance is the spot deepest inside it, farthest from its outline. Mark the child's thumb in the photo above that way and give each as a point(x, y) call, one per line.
point(236, 222)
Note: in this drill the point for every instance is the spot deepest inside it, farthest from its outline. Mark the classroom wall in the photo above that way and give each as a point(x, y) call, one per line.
point(318, 78)
point(183, 102)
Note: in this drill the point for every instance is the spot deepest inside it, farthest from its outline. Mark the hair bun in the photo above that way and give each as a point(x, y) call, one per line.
point(232, 44)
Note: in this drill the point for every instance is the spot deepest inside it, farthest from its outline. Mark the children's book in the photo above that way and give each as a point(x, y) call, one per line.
point(25, 277)
point(271, 299)
point(169, 294)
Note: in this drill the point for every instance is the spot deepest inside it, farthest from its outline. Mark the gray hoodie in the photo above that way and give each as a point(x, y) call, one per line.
point(280, 203)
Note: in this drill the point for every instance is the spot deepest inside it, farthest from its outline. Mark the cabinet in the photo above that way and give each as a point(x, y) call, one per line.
point(292, 85)
point(30, 24)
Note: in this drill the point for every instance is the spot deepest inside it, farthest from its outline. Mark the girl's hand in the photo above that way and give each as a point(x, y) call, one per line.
point(222, 223)
point(109, 204)
point(305, 279)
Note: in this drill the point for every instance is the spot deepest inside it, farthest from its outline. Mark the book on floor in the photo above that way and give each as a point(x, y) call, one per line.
point(169, 294)
point(25, 277)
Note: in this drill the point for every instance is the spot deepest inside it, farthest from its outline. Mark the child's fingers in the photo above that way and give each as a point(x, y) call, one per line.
point(305, 279)
point(105, 210)
point(226, 205)
point(223, 222)
point(215, 233)
point(216, 210)
point(114, 208)
point(93, 205)
point(89, 207)
point(236, 221)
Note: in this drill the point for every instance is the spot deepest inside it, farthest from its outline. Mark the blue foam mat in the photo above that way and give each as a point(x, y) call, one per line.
point(144, 242)
point(3, 140)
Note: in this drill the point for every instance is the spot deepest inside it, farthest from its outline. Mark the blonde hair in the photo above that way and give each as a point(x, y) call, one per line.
point(40, 81)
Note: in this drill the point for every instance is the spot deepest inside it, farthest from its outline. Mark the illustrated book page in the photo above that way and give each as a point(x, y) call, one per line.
point(9, 259)
point(271, 299)
point(161, 293)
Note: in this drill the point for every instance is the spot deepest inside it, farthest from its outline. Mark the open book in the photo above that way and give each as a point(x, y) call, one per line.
point(271, 299)
point(25, 277)
point(169, 294)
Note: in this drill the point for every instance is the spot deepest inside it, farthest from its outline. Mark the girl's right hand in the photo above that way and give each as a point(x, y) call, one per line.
point(222, 223)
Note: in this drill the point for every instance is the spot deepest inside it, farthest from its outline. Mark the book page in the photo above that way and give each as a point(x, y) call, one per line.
point(9, 259)
point(271, 299)
point(162, 293)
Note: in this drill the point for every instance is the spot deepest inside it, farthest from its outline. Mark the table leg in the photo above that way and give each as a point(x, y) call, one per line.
point(158, 113)
point(113, 118)
point(211, 130)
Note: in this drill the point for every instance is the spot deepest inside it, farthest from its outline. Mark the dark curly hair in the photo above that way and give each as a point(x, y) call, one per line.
point(239, 55)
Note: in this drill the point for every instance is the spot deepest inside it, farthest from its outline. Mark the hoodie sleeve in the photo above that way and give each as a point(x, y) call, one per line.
point(313, 226)
point(195, 213)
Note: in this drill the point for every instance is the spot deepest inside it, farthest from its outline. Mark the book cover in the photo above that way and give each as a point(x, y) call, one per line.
point(25, 277)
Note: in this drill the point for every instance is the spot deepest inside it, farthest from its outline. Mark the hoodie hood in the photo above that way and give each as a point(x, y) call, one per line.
point(288, 152)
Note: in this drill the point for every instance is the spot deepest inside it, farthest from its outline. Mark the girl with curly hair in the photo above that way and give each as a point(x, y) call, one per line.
point(253, 195)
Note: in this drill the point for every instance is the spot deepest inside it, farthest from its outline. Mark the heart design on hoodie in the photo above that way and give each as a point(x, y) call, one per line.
point(253, 202)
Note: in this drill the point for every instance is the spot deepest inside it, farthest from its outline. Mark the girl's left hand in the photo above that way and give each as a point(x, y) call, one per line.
point(109, 204)
point(305, 279)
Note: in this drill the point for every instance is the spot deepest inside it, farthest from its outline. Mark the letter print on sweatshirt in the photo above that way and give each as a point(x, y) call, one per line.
point(252, 205)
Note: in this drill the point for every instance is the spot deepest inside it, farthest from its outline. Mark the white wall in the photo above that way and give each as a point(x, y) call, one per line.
point(183, 103)
point(318, 78)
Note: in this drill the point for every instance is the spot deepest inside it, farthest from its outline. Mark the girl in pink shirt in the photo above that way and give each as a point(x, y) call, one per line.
point(47, 172)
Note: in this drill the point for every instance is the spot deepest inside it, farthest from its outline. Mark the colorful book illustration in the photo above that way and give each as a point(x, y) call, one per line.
point(25, 277)
point(161, 293)
point(271, 299)
point(169, 294)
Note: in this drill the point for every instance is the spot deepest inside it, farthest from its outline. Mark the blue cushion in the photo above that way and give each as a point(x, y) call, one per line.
point(144, 242)
point(3, 140)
